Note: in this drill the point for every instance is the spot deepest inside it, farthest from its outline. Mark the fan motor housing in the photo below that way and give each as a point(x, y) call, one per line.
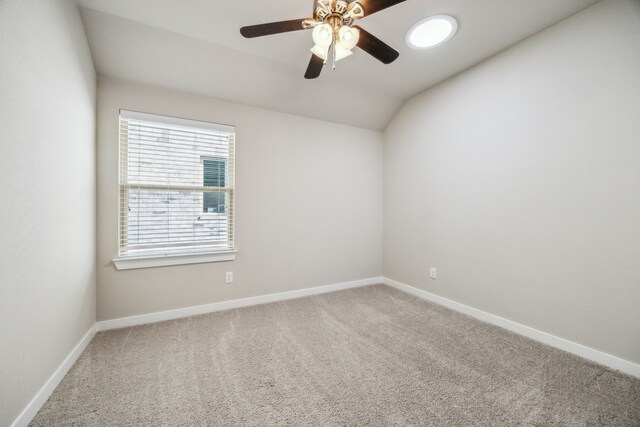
point(342, 9)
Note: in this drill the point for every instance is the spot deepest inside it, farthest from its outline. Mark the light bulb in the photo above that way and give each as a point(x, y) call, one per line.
point(342, 53)
point(323, 35)
point(348, 37)
point(320, 52)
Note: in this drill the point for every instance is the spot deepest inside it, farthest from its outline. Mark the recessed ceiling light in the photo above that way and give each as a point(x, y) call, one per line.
point(432, 31)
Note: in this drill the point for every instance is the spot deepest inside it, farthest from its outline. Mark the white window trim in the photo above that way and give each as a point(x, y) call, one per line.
point(165, 260)
point(179, 121)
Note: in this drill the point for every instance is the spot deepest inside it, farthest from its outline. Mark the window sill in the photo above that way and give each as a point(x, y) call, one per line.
point(131, 263)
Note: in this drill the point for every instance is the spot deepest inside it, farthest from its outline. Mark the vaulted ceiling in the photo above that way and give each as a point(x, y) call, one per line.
point(195, 46)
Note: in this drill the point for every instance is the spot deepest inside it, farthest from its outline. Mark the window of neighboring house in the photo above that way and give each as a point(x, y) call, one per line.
point(173, 174)
point(214, 177)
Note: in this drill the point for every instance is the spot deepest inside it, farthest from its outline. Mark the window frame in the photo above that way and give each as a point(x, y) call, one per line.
point(175, 255)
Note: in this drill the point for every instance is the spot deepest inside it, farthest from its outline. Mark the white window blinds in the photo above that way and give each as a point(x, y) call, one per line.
point(176, 185)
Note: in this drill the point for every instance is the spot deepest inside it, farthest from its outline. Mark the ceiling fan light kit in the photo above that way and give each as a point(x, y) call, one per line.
point(334, 34)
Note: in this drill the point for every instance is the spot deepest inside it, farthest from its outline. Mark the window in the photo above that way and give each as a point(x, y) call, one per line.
point(215, 175)
point(176, 187)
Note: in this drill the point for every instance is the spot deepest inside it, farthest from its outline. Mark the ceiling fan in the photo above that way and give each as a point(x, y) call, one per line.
point(334, 34)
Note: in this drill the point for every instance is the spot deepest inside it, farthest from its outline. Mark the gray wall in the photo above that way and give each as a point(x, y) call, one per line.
point(47, 213)
point(520, 181)
point(308, 205)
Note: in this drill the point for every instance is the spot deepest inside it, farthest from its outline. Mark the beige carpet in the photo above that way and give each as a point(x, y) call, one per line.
point(367, 356)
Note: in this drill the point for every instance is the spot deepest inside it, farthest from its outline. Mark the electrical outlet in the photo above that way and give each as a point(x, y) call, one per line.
point(228, 277)
point(433, 273)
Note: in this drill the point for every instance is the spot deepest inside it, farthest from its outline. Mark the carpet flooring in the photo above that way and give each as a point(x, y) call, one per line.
point(365, 356)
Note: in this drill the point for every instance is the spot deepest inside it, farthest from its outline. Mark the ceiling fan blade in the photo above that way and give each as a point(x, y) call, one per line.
point(373, 6)
point(314, 68)
point(272, 28)
point(376, 47)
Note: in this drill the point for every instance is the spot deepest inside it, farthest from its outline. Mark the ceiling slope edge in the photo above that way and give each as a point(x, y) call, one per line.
point(136, 52)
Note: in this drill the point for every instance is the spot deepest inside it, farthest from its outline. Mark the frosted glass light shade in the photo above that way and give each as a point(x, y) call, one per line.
point(320, 52)
point(323, 35)
point(342, 53)
point(348, 37)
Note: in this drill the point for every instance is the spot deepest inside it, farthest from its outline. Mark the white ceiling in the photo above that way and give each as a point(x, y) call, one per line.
point(195, 45)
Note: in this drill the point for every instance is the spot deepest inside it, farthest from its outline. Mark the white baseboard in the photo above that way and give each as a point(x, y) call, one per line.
point(597, 356)
point(161, 316)
point(47, 389)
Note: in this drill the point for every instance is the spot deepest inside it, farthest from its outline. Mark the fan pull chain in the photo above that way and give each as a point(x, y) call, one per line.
point(334, 56)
